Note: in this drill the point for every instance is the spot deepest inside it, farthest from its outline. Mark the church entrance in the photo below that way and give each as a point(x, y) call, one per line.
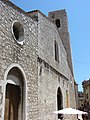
point(12, 102)
point(14, 95)
point(59, 102)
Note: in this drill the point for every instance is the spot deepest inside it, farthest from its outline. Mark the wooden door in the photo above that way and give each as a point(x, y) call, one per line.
point(12, 101)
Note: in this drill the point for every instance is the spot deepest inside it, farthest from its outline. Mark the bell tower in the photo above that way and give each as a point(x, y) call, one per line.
point(59, 18)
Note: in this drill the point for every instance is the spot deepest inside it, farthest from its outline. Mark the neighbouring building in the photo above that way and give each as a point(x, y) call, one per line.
point(36, 71)
point(84, 98)
point(80, 100)
point(86, 92)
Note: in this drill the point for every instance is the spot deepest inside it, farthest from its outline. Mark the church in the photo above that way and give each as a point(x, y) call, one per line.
point(36, 70)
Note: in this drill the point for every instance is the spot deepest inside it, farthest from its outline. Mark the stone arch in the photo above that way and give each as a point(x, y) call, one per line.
point(59, 101)
point(16, 83)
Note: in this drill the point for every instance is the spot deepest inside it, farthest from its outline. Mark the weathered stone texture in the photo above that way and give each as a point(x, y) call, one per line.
point(47, 34)
point(37, 58)
point(54, 74)
point(26, 55)
point(63, 32)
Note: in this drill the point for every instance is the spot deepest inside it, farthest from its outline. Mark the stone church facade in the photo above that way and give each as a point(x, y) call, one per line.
point(36, 73)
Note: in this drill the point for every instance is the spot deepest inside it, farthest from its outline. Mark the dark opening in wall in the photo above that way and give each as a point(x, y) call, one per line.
point(56, 51)
point(59, 102)
point(18, 32)
point(58, 24)
point(14, 95)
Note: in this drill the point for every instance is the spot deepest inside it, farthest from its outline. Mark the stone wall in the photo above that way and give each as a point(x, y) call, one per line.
point(36, 56)
point(47, 35)
point(25, 55)
point(52, 74)
point(48, 82)
point(63, 32)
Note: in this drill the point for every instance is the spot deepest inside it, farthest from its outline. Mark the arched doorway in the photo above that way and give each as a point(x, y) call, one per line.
point(14, 95)
point(59, 102)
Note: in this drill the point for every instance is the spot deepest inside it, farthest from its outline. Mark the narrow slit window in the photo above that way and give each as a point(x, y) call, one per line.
point(56, 52)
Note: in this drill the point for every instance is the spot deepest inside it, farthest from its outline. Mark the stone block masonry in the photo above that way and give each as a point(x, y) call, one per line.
point(25, 55)
point(34, 61)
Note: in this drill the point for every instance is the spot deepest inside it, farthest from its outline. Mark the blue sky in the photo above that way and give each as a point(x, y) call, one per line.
point(78, 12)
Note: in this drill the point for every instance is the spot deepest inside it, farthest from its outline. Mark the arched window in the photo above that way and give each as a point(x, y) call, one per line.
point(56, 51)
point(15, 95)
point(58, 24)
point(59, 102)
